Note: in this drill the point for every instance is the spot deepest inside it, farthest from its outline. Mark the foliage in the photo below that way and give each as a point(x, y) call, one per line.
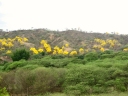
point(14, 65)
point(91, 56)
point(99, 77)
point(99, 66)
point(20, 54)
point(57, 56)
point(3, 91)
point(31, 82)
point(36, 56)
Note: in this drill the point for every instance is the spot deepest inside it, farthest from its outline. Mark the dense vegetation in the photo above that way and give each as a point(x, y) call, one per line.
point(101, 68)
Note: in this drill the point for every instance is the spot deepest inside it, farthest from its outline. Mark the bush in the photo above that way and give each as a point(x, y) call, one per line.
point(36, 56)
point(57, 56)
point(108, 52)
point(79, 61)
point(30, 67)
point(103, 56)
point(43, 53)
point(24, 81)
point(46, 80)
point(95, 79)
point(3, 91)
point(81, 56)
point(91, 56)
point(32, 82)
point(20, 54)
point(14, 65)
point(59, 63)
point(46, 63)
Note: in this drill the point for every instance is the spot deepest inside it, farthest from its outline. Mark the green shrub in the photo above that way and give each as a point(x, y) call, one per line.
point(79, 61)
point(31, 67)
point(20, 54)
point(103, 56)
point(124, 58)
point(14, 65)
point(24, 81)
point(97, 89)
point(121, 55)
point(59, 63)
point(36, 56)
point(48, 80)
point(46, 63)
point(108, 52)
point(43, 53)
point(120, 85)
point(99, 79)
point(81, 56)
point(91, 56)
point(57, 56)
point(3, 91)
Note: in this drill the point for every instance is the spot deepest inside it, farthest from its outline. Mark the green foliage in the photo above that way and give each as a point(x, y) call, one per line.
point(30, 67)
point(20, 54)
point(52, 79)
point(36, 56)
point(36, 81)
point(103, 56)
point(3, 91)
point(91, 56)
point(96, 73)
point(121, 55)
point(43, 53)
point(81, 56)
point(59, 63)
point(108, 52)
point(120, 85)
point(95, 78)
point(79, 61)
point(14, 65)
point(57, 56)
point(46, 63)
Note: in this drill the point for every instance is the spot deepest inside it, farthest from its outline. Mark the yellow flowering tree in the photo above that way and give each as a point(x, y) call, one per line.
point(81, 50)
point(34, 50)
point(73, 53)
point(8, 51)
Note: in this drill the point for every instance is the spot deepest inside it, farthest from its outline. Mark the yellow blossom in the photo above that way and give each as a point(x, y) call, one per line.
point(72, 53)
point(102, 49)
point(66, 45)
point(8, 52)
point(81, 50)
point(40, 50)
point(65, 52)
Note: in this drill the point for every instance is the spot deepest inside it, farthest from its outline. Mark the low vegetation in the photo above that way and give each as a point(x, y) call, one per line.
point(48, 70)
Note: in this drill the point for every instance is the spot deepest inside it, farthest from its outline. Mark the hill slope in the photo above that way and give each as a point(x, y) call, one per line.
point(75, 38)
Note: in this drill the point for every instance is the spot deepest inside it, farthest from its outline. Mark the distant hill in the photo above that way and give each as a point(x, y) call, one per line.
point(74, 38)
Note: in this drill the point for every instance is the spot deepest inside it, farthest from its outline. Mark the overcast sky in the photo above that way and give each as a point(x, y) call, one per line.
point(88, 15)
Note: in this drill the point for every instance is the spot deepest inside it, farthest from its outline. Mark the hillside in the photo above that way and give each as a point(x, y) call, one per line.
point(71, 63)
point(75, 38)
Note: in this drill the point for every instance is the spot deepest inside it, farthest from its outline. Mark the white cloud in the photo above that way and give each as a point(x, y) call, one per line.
point(89, 15)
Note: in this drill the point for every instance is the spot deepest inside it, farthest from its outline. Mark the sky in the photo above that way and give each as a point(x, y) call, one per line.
point(87, 15)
